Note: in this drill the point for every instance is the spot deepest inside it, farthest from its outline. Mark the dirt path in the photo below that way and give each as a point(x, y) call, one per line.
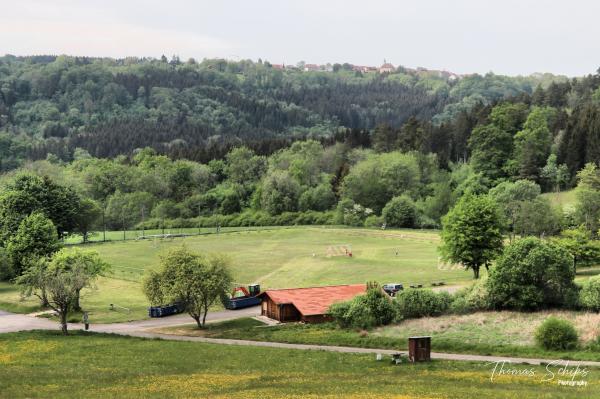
point(10, 322)
point(346, 349)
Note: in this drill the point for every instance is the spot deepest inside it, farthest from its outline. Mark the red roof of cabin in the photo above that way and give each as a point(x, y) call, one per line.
point(315, 300)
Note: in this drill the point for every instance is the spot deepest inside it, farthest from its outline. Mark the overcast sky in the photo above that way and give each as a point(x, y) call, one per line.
point(505, 36)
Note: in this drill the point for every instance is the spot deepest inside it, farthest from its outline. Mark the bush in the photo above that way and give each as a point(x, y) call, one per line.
point(246, 218)
point(380, 306)
point(471, 299)
point(373, 221)
point(556, 334)
point(425, 222)
point(420, 303)
point(5, 266)
point(350, 213)
point(531, 274)
point(400, 212)
point(589, 296)
point(375, 308)
point(339, 311)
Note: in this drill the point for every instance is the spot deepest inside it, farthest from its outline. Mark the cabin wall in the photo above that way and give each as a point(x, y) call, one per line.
point(284, 312)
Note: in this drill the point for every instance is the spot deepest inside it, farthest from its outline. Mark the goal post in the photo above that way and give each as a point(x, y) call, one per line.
point(339, 250)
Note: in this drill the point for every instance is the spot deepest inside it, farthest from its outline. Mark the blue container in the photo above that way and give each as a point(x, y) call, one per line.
point(165, 310)
point(242, 302)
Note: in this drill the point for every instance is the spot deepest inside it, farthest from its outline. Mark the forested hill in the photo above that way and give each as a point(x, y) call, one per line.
point(199, 110)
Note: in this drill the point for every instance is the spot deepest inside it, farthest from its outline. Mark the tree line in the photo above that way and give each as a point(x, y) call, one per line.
point(200, 110)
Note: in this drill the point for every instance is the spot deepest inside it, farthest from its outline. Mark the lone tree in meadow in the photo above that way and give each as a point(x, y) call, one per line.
point(472, 233)
point(194, 280)
point(58, 281)
point(88, 262)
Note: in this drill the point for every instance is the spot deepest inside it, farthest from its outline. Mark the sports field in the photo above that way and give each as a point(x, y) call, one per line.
point(276, 258)
point(47, 365)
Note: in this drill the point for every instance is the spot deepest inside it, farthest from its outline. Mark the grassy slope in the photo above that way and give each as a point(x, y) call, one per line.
point(284, 258)
point(274, 258)
point(486, 333)
point(97, 366)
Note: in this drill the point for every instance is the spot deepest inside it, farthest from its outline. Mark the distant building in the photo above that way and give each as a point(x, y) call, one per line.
point(309, 305)
point(363, 68)
point(278, 66)
point(386, 68)
point(311, 67)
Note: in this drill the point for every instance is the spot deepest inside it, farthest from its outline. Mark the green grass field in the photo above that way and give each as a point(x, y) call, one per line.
point(47, 365)
point(274, 258)
point(484, 333)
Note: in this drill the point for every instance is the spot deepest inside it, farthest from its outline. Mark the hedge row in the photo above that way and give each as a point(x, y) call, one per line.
point(244, 219)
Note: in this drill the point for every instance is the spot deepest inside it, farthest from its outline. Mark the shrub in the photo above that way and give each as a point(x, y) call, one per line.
point(400, 212)
point(380, 306)
point(351, 214)
point(556, 334)
point(373, 221)
point(595, 344)
point(5, 266)
point(375, 308)
point(425, 222)
point(354, 313)
point(459, 304)
point(589, 296)
point(471, 299)
point(246, 218)
point(420, 303)
point(339, 311)
point(531, 274)
point(286, 219)
point(358, 314)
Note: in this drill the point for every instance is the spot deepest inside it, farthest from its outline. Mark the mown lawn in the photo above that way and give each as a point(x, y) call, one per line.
point(47, 365)
point(274, 258)
point(297, 257)
point(485, 333)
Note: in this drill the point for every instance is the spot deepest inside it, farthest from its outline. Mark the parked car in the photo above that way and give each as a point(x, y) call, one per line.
point(393, 288)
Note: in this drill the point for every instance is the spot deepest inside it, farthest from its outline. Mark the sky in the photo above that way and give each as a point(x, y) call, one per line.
point(463, 36)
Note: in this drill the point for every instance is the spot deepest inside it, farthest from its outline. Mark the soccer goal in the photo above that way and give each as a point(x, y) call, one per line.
point(339, 250)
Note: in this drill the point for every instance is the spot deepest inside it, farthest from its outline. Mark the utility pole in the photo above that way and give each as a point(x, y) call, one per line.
point(104, 222)
point(199, 211)
point(143, 231)
point(123, 221)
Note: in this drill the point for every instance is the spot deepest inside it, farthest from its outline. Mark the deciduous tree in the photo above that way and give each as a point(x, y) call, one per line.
point(472, 233)
point(532, 274)
point(194, 280)
point(35, 238)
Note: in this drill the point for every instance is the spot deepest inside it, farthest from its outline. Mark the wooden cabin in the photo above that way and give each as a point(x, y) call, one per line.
point(309, 305)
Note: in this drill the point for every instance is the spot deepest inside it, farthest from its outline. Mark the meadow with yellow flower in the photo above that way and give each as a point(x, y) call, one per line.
point(47, 365)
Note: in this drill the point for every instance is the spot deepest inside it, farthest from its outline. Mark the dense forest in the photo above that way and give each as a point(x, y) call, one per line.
point(200, 110)
point(123, 144)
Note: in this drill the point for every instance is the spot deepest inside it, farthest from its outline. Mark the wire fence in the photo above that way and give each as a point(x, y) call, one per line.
point(170, 233)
